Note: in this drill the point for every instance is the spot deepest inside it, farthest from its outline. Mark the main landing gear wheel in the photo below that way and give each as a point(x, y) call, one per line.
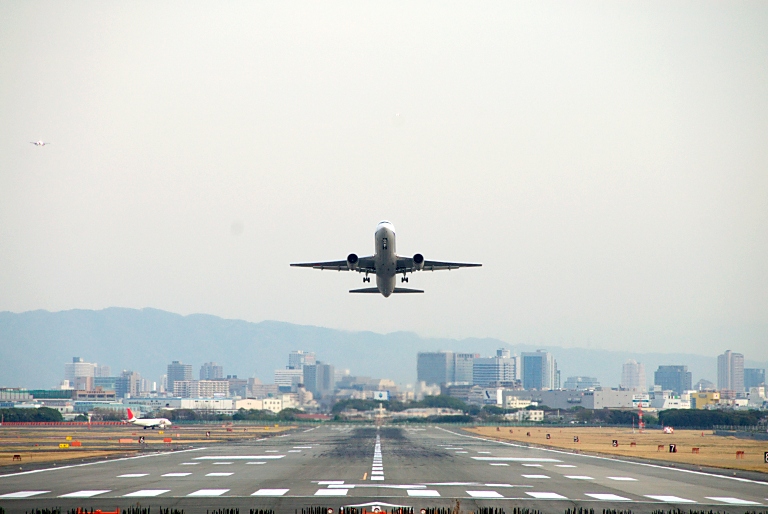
point(366, 279)
point(404, 279)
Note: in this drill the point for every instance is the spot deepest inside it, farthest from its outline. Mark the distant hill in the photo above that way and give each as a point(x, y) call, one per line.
point(35, 345)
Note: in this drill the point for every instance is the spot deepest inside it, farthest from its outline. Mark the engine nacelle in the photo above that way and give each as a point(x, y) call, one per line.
point(418, 262)
point(352, 261)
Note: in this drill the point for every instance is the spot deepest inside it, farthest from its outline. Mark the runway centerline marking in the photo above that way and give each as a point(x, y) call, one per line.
point(499, 464)
point(240, 457)
point(209, 492)
point(668, 499)
point(535, 476)
point(423, 493)
point(176, 474)
point(219, 474)
point(484, 494)
point(623, 479)
point(145, 493)
point(518, 459)
point(547, 496)
point(578, 477)
point(22, 494)
point(331, 492)
point(133, 475)
point(84, 494)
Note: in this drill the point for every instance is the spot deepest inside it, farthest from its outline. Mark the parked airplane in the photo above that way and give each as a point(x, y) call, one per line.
point(39, 143)
point(386, 264)
point(148, 422)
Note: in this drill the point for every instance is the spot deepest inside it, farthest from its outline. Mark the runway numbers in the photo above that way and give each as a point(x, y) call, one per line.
point(424, 493)
point(177, 474)
point(732, 501)
point(578, 477)
point(270, 492)
point(623, 479)
point(484, 494)
point(219, 474)
point(146, 493)
point(608, 497)
point(23, 494)
point(209, 492)
point(535, 476)
point(669, 499)
point(331, 492)
point(84, 494)
point(547, 496)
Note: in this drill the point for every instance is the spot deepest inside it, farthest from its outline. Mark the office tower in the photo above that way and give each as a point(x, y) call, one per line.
point(503, 353)
point(581, 383)
point(435, 368)
point(128, 384)
point(493, 370)
point(463, 368)
point(539, 370)
point(78, 368)
point(211, 371)
point(178, 371)
point(753, 377)
point(730, 371)
point(633, 376)
point(299, 358)
point(319, 379)
point(673, 378)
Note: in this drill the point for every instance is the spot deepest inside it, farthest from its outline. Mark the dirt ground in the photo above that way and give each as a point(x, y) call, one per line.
point(42, 444)
point(715, 451)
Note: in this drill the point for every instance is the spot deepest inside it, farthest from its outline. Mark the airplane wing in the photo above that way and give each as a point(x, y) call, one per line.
point(406, 265)
point(364, 265)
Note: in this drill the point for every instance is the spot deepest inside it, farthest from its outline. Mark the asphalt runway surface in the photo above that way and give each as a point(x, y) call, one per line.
point(342, 465)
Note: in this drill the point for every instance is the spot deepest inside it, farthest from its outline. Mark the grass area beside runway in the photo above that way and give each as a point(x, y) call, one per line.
point(41, 444)
point(692, 447)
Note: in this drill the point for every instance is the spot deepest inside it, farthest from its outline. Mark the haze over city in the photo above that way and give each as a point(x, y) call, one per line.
point(605, 162)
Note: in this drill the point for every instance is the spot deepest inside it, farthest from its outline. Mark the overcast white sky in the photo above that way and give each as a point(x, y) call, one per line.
point(606, 162)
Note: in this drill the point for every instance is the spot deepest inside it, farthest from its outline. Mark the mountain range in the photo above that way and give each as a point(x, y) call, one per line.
point(35, 345)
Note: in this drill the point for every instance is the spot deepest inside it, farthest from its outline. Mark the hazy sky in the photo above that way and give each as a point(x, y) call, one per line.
point(606, 162)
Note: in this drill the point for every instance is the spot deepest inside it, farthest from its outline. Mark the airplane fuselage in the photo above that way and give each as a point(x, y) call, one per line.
point(385, 258)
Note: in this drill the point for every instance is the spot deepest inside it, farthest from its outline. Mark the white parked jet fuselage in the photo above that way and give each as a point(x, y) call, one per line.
point(385, 264)
point(160, 423)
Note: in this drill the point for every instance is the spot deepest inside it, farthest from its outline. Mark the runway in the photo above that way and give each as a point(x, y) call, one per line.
point(347, 465)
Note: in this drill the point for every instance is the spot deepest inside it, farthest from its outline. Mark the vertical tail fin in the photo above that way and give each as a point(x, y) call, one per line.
point(131, 417)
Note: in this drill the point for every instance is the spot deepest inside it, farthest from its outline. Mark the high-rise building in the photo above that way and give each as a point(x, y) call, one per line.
point(178, 371)
point(493, 370)
point(319, 379)
point(753, 377)
point(730, 372)
point(128, 384)
point(673, 378)
point(539, 370)
point(435, 368)
point(299, 358)
point(581, 383)
point(78, 368)
point(289, 377)
point(633, 376)
point(200, 388)
point(211, 371)
point(463, 368)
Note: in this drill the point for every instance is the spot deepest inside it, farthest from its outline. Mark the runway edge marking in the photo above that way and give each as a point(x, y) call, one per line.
point(562, 452)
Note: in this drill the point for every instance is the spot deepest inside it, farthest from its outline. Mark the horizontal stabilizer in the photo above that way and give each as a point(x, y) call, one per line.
point(365, 290)
point(404, 290)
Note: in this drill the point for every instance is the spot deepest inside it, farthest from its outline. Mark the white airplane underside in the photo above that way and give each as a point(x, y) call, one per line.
point(385, 264)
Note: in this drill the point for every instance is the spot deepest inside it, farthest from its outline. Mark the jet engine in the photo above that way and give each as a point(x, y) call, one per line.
point(352, 261)
point(418, 262)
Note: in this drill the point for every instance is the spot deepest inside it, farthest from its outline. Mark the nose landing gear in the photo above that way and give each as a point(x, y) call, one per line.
point(366, 279)
point(404, 278)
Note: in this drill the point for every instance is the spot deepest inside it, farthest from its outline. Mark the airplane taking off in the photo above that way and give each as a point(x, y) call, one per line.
point(39, 143)
point(386, 264)
point(161, 423)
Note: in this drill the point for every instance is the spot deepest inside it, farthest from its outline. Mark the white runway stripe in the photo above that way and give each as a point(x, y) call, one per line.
point(256, 463)
point(578, 477)
point(668, 499)
point(608, 497)
point(177, 474)
point(22, 494)
point(547, 496)
point(535, 476)
point(623, 479)
point(270, 492)
point(377, 478)
point(500, 464)
point(564, 466)
point(241, 457)
point(84, 494)
point(519, 459)
point(133, 475)
point(189, 464)
point(484, 494)
point(331, 492)
point(219, 474)
point(425, 493)
point(145, 493)
point(209, 492)
point(732, 501)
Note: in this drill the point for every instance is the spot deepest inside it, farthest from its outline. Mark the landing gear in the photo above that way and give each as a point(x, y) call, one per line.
point(404, 278)
point(366, 279)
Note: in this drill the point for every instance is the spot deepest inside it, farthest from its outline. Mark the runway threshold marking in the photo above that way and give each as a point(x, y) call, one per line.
point(732, 501)
point(423, 493)
point(270, 492)
point(547, 496)
point(668, 499)
point(484, 494)
point(146, 493)
point(331, 492)
point(84, 494)
point(22, 494)
point(208, 492)
point(608, 497)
